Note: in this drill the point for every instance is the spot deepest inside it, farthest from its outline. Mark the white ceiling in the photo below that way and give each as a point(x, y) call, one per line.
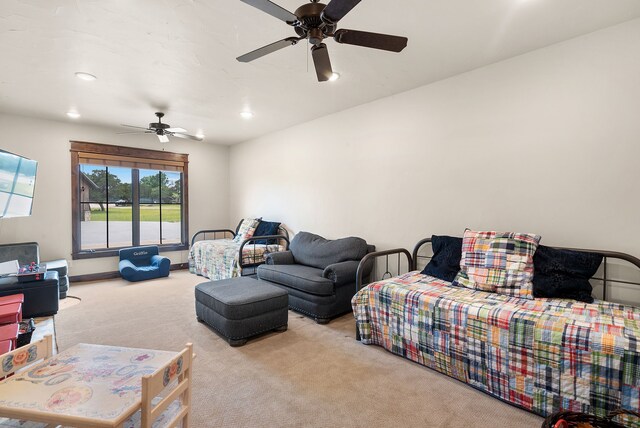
point(178, 56)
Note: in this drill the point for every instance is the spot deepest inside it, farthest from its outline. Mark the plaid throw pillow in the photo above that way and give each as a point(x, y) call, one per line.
point(498, 262)
point(246, 229)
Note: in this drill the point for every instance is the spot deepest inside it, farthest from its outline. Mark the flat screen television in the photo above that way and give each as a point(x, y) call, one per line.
point(17, 185)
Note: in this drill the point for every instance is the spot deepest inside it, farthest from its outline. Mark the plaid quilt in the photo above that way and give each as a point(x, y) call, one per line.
point(542, 354)
point(220, 258)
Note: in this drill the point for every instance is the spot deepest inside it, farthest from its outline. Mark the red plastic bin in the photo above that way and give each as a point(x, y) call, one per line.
point(9, 332)
point(13, 298)
point(5, 346)
point(11, 313)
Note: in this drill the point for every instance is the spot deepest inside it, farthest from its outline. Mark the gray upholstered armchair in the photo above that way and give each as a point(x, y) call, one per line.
point(27, 252)
point(318, 274)
point(40, 297)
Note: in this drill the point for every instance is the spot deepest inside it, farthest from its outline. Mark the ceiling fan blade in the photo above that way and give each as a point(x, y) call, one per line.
point(322, 62)
point(186, 136)
point(137, 127)
point(273, 10)
point(134, 132)
point(337, 9)
point(265, 50)
point(371, 40)
point(175, 130)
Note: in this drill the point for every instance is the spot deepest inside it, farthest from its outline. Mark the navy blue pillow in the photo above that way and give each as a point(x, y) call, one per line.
point(266, 228)
point(445, 263)
point(564, 274)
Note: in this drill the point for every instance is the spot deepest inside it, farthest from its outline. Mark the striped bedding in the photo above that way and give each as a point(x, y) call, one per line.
point(219, 259)
point(542, 354)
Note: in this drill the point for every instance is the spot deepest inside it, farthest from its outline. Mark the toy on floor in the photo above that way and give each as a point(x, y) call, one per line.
point(141, 263)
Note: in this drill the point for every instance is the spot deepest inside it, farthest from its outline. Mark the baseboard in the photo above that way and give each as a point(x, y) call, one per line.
point(94, 276)
point(115, 274)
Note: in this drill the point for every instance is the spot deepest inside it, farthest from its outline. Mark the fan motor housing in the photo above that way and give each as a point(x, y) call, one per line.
point(158, 126)
point(309, 18)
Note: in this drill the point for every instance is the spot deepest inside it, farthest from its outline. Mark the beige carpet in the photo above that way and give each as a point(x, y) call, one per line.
point(311, 375)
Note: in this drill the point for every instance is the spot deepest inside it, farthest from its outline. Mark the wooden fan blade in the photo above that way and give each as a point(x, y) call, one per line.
point(337, 9)
point(186, 136)
point(175, 130)
point(322, 62)
point(265, 50)
point(134, 132)
point(137, 127)
point(273, 10)
point(385, 42)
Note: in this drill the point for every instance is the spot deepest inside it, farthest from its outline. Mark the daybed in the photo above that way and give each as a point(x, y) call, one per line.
point(541, 354)
point(223, 253)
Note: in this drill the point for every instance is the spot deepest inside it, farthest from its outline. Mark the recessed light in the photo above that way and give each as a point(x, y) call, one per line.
point(334, 76)
point(73, 114)
point(85, 76)
point(246, 114)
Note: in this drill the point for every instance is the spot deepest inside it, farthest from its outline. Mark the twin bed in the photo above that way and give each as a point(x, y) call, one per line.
point(539, 354)
point(223, 253)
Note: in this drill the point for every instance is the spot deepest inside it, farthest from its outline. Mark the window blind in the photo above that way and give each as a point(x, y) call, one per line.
point(102, 154)
point(129, 162)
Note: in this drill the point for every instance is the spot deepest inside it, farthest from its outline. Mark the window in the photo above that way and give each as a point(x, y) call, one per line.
point(125, 197)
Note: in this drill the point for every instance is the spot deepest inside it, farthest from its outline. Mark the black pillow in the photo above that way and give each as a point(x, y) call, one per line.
point(564, 274)
point(445, 263)
point(266, 228)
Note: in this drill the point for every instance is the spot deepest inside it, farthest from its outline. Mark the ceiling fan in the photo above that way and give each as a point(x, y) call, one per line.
point(162, 130)
point(315, 22)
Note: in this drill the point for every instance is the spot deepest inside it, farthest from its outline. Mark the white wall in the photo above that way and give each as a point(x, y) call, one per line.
point(50, 224)
point(547, 142)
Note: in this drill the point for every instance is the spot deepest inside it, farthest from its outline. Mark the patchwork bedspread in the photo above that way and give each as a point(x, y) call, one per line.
point(542, 354)
point(219, 259)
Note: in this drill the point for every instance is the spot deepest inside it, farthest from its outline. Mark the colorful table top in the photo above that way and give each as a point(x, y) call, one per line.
point(86, 382)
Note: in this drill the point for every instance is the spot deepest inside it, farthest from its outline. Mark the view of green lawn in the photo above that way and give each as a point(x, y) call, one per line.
point(170, 213)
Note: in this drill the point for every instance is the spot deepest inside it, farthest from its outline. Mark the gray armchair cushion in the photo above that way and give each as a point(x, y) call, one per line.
point(341, 273)
point(59, 266)
point(304, 278)
point(314, 250)
point(24, 253)
point(279, 258)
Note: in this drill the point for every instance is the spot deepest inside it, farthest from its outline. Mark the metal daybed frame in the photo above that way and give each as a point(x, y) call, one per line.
point(412, 264)
point(247, 265)
point(412, 259)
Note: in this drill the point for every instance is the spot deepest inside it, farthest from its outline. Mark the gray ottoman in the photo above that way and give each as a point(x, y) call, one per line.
point(239, 308)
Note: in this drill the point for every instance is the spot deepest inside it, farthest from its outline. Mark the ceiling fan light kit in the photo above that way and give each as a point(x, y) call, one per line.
point(315, 22)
